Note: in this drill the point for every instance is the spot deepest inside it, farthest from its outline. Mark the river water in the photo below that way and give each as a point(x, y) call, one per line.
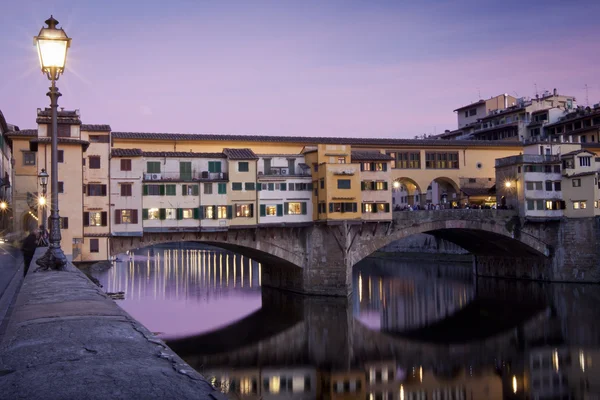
point(411, 329)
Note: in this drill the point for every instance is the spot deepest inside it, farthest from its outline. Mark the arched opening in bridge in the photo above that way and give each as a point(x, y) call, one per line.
point(443, 192)
point(405, 193)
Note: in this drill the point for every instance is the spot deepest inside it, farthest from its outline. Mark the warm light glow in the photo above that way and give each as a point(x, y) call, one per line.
point(582, 360)
point(421, 374)
point(275, 384)
point(52, 44)
point(3, 205)
point(42, 201)
point(401, 392)
point(514, 384)
point(508, 184)
point(360, 288)
point(396, 185)
point(555, 359)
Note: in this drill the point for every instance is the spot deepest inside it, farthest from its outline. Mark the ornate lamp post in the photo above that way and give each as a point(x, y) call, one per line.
point(52, 44)
point(43, 180)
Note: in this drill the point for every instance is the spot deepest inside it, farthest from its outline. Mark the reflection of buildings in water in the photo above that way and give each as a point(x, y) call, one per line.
point(557, 372)
point(289, 383)
point(407, 303)
point(182, 273)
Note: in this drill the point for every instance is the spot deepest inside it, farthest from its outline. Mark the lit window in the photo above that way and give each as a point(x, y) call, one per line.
point(222, 212)
point(366, 166)
point(275, 383)
point(583, 204)
point(576, 182)
point(381, 207)
point(153, 213)
point(171, 213)
point(29, 158)
point(243, 210)
point(341, 160)
point(95, 219)
point(294, 208)
point(548, 204)
point(187, 213)
point(368, 207)
point(126, 217)
point(209, 212)
point(379, 167)
point(271, 210)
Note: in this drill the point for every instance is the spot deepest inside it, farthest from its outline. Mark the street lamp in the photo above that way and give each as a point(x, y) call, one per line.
point(3, 205)
point(52, 44)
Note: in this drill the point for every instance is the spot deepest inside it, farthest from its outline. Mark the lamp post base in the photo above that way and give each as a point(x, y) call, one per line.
point(53, 259)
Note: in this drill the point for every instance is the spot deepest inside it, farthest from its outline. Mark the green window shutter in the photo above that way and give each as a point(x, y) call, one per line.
point(215, 213)
point(330, 207)
point(362, 185)
point(362, 166)
point(184, 190)
point(251, 206)
point(373, 166)
point(145, 190)
point(384, 166)
point(171, 190)
point(271, 186)
point(162, 213)
point(236, 186)
point(249, 185)
point(279, 210)
point(217, 166)
point(283, 187)
point(185, 170)
point(196, 213)
point(363, 206)
point(258, 187)
point(354, 207)
point(211, 166)
point(180, 213)
point(286, 208)
point(195, 190)
point(263, 210)
point(144, 213)
point(303, 208)
point(243, 166)
point(387, 207)
point(201, 212)
point(385, 185)
point(229, 212)
point(162, 190)
point(222, 188)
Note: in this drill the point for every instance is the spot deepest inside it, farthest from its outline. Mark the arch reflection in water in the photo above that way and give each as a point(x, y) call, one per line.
point(186, 290)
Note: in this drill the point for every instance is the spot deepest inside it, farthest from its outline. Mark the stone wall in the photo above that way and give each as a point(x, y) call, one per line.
point(423, 243)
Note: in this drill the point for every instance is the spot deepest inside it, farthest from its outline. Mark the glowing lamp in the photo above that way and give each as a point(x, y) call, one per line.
point(396, 185)
point(508, 184)
point(42, 201)
point(3, 205)
point(52, 44)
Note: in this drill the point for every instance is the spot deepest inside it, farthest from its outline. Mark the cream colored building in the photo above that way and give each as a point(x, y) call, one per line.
point(580, 184)
point(241, 210)
point(126, 177)
point(375, 185)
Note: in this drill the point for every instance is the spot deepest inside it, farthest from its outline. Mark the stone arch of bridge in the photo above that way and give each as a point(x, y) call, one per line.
point(409, 188)
point(446, 187)
point(262, 246)
point(479, 237)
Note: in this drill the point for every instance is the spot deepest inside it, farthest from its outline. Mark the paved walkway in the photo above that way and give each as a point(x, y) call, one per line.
point(67, 340)
point(11, 276)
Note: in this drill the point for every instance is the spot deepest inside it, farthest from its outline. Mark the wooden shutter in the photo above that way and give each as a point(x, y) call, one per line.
point(387, 207)
point(144, 213)
point(180, 213)
point(259, 187)
point(215, 212)
point(162, 213)
point(104, 218)
point(229, 212)
point(184, 190)
point(117, 216)
point(84, 189)
point(354, 207)
point(195, 190)
point(201, 212)
point(196, 213)
point(145, 191)
point(286, 208)
point(362, 166)
point(161, 190)
point(362, 186)
point(330, 207)
point(103, 190)
point(134, 216)
point(279, 210)
point(263, 210)
point(283, 187)
point(384, 166)
point(303, 204)
point(86, 219)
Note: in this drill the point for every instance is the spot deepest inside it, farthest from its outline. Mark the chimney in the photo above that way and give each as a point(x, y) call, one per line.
point(555, 92)
point(505, 101)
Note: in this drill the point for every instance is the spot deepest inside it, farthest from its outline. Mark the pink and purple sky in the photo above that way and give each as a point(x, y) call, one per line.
point(306, 68)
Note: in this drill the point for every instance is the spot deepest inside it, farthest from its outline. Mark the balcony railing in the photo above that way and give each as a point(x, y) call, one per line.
point(186, 177)
point(284, 171)
point(527, 159)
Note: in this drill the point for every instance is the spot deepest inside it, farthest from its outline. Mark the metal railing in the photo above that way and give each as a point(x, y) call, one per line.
point(527, 158)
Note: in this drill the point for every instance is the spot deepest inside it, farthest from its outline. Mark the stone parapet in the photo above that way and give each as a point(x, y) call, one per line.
point(67, 340)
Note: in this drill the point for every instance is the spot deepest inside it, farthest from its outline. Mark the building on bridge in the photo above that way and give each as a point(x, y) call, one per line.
point(6, 177)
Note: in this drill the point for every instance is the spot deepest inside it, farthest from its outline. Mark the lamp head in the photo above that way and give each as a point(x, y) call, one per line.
point(42, 201)
point(52, 44)
point(3, 205)
point(508, 184)
point(396, 184)
point(43, 177)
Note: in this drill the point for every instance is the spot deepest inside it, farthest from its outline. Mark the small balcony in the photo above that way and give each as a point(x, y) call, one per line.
point(285, 171)
point(527, 159)
point(186, 177)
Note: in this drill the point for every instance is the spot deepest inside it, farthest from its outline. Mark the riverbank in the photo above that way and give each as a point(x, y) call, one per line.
point(67, 339)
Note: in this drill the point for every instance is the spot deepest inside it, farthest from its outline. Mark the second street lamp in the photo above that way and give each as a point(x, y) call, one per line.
point(43, 178)
point(52, 44)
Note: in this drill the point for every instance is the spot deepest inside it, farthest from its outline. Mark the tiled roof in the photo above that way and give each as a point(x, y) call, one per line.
point(61, 120)
point(140, 153)
point(47, 112)
point(126, 152)
point(470, 105)
point(24, 132)
point(370, 156)
point(574, 153)
point(95, 127)
point(240, 154)
point(314, 140)
point(63, 140)
point(181, 154)
point(3, 124)
point(96, 235)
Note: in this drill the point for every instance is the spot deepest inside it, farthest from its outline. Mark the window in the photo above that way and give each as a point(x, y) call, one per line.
point(208, 188)
point(539, 204)
point(343, 183)
point(189, 190)
point(154, 190)
point(557, 186)
point(435, 160)
point(29, 158)
point(94, 162)
point(322, 183)
point(577, 182)
point(381, 186)
point(271, 210)
point(61, 156)
point(271, 186)
point(153, 167)
point(61, 187)
point(94, 246)
point(94, 189)
point(153, 213)
point(556, 169)
point(185, 170)
point(214, 166)
point(171, 190)
point(249, 186)
point(341, 160)
point(126, 164)
point(209, 212)
point(472, 111)
point(577, 205)
point(530, 205)
point(236, 186)
point(316, 167)
point(126, 216)
point(222, 212)
point(294, 208)
point(366, 166)
point(369, 207)
point(64, 222)
point(243, 166)
point(549, 186)
point(170, 213)
point(187, 213)
point(98, 138)
point(95, 218)
point(244, 210)
point(408, 160)
point(126, 189)
point(342, 207)
point(129, 216)
point(222, 188)
point(585, 161)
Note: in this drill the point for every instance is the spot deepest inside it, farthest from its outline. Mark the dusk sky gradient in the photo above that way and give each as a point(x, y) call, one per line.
point(305, 68)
